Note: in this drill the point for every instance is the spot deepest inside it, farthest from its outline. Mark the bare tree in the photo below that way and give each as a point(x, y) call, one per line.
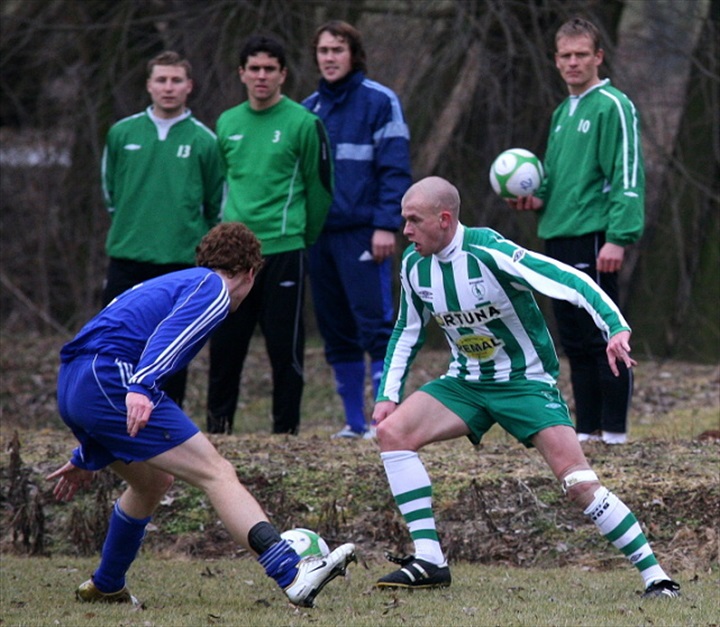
point(475, 76)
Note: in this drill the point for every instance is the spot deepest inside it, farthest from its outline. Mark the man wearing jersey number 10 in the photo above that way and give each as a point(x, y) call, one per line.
point(478, 287)
point(590, 207)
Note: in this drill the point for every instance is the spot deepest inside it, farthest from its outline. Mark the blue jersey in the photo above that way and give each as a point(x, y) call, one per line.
point(155, 328)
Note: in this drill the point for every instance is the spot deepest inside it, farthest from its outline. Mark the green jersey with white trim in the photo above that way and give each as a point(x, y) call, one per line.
point(279, 173)
point(594, 171)
point(163, 185)
point(479, 291)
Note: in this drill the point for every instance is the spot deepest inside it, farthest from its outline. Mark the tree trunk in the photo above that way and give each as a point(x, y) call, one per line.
point(462, 94)
point(652, 63)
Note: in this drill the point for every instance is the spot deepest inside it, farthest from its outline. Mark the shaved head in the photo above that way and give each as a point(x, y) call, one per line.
point(436, 193)
point(431, 209)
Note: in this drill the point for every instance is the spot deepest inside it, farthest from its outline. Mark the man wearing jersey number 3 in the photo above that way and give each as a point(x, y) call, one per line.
point(478, 287)
point(279, 182)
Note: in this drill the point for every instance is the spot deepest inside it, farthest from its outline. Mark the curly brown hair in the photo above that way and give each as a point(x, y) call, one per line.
point(230, 246)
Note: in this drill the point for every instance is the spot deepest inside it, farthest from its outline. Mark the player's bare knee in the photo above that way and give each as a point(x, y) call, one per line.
point(390, 437)
point(580, 486)
point(216, 473)
point(150, 491)
point(159, 484)
point(159, 487)
point(384, 435)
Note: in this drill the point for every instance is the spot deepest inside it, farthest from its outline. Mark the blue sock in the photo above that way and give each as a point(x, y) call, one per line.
point(350, 381)
point(122, 543)
point(376, 372)
point(280, 562)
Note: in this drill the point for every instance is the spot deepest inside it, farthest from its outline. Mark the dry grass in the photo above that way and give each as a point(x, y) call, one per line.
point(496, 504)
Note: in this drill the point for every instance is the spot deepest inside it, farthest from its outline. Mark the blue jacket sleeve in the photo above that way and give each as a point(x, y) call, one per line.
point(392, 165)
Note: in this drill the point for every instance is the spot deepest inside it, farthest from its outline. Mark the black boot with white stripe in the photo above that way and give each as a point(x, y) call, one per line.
point(415, 573)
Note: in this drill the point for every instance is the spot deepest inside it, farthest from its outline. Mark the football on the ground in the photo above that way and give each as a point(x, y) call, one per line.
point(516, 172)
point(306, 543)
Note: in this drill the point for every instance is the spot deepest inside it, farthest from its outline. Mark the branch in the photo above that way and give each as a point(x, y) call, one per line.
point(19, 295)
point(458, 102)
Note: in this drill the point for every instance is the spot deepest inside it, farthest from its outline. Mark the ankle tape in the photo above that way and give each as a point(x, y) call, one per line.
point(579, 476)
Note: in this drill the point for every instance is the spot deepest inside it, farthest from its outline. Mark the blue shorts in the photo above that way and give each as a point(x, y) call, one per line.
point(522, 408)
point(91, 400)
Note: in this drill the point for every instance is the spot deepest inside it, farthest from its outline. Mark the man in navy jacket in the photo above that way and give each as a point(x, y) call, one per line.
point(351, 263)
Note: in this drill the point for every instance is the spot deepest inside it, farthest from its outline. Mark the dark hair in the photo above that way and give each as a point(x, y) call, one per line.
point(169, 57)
point(229, 246)
point(343, 30)
point(262, 43)
point(577, 27)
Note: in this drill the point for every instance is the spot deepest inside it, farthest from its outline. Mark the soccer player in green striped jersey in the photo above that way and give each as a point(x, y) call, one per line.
point(478, 287)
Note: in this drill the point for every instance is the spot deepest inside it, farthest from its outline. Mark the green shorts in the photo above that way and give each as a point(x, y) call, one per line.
point(522, 408)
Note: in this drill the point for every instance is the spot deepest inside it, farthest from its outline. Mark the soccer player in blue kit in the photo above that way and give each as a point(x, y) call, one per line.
point(110, 395)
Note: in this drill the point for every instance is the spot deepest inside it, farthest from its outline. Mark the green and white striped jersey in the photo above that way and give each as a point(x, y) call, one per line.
point(479, 290)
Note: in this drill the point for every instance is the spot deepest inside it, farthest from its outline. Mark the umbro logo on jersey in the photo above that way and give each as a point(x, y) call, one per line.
point(518, 255)
point(132, 146)
point(235, 138)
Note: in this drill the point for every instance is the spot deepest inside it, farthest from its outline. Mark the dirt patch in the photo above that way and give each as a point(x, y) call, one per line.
point(495, 504)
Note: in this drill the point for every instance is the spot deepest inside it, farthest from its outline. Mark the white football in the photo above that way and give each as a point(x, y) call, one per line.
point(516, 172)
point(306, 543)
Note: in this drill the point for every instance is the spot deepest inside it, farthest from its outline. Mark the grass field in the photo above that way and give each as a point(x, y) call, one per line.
point(39, 592)
point(519, 554)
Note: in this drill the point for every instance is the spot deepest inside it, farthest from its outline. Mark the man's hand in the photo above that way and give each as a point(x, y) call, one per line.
point(383, 245)
point(382, 410)
point(71, 478)
point(525, 203)
point(138, 407)
point(610, 258)
point(618, 348)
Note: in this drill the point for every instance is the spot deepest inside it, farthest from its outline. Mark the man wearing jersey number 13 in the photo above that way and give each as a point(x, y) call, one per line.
point(478, 287)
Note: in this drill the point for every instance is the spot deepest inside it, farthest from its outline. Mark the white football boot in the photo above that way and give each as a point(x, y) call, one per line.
point(314, 573)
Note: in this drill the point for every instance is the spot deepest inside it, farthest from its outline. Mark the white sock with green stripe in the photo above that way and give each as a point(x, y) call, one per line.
point(618, 524)
point(411, 487)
